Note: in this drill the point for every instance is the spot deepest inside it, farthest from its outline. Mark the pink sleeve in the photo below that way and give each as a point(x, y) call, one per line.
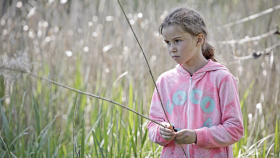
point(231, 128)
point(157, 114)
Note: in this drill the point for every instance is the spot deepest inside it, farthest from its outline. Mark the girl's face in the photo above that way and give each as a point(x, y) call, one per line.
point(182, 46)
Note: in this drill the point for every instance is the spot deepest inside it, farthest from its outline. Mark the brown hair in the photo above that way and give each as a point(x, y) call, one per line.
point(192, 22)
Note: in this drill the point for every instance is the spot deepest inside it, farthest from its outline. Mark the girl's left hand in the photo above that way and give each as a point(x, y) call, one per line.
point(185, 136)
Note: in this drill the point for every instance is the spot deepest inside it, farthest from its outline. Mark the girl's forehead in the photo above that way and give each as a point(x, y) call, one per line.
point(172, 31)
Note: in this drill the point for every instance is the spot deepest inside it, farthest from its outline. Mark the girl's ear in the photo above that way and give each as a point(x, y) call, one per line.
point(200, 40)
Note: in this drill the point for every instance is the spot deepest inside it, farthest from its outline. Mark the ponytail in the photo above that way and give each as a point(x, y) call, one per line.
point(208, 51)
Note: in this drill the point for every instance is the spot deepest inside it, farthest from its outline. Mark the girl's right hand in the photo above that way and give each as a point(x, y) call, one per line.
point(167, 133)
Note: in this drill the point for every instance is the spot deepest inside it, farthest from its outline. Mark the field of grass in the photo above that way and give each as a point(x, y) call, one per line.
point(89, 46)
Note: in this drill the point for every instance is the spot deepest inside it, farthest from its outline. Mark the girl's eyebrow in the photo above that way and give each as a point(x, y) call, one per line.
point(179, 37)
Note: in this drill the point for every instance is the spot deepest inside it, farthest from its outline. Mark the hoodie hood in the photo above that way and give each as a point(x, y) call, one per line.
point(210, 66)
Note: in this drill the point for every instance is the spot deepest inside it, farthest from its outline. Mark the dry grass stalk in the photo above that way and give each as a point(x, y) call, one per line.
point(252, 16)
point(81, 92)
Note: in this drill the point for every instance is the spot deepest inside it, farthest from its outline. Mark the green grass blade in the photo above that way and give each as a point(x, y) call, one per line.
point(133, 143)
point(83, 138)
point(37, 116)
point(264, 146)
point(144, 138)
point(78, 76)
point(130, 104)
point(6, 146)
point(93, 127)
point(276, 139)
point(98, 144)
point(2, 86)
point(136, 127)
point(49, 146)
point(246, 94)
point(24, 132)
point(153, 145)
point(5, 122)
point(70, 120)
point(11, 107)
point(73, 123)
point(58, 147)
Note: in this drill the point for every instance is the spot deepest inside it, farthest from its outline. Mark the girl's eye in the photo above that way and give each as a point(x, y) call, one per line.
point(167, 42)
point(178, 41)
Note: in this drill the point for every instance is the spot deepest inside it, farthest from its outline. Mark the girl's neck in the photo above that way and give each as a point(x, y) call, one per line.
point(193, 66)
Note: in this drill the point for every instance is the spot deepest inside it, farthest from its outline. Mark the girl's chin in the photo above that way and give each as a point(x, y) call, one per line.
point(178, 62)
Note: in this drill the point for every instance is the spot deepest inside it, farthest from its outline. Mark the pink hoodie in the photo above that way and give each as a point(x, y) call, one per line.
point(207, 102)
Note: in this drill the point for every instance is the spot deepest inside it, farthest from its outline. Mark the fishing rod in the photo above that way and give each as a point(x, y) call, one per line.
point(82, 92)
point(145, 60)
point(149, 69)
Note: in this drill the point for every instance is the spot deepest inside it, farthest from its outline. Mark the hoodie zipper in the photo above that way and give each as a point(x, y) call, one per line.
point(190, 87)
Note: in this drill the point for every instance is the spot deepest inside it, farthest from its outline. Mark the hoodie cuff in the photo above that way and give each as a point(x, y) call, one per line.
point(201, 136)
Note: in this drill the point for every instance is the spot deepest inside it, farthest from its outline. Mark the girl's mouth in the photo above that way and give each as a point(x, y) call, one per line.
point(175, 57)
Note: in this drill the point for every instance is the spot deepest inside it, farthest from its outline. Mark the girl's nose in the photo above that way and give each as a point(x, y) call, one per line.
point(173, 49)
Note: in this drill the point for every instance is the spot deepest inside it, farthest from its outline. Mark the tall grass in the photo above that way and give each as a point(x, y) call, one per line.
point(87, 46)
point(77, 131)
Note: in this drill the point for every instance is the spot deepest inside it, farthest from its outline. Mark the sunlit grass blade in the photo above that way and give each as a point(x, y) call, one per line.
point(276, 139)
point(264, 146)
point(130, 104)
point(128, 139)
point(93, 127)
point(78, 76)
point(133, 144)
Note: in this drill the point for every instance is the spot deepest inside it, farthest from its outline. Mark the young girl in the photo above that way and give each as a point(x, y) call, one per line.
point(199, 95)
